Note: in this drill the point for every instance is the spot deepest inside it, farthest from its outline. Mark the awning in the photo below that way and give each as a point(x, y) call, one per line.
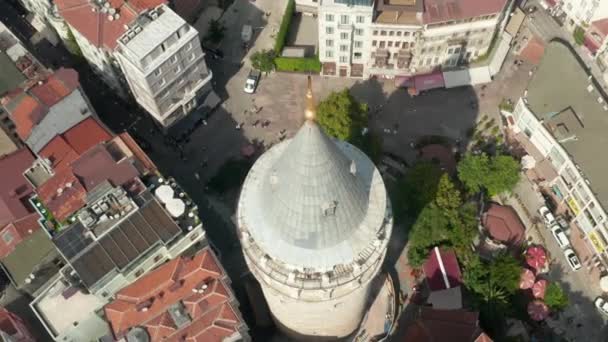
point(591, 44)
point(429, 81)
point(404, 81)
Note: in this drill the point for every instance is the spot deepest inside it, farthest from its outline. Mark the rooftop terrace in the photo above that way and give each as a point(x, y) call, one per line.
point(575, 112)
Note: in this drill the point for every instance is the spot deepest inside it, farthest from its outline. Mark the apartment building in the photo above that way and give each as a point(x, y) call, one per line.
point(142, 46)
point(113, 218)
point(187, 299)
point(563, 128)
point(582, 12)
point(164, 65)
point(344, 31)
point(390, 38)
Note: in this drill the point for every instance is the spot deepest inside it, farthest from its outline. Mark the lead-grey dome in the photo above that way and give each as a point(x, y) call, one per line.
point(314, 202)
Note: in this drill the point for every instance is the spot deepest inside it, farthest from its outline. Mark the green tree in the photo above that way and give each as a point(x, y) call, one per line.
point(495, 175)
point(579, 35)
point(555, 297)
point(472, 171)
point(448, 197)
point(216, 32)
point(416, 189)
point(341, 116)
point(503, 175)
point(72, 45)
point(263, 60)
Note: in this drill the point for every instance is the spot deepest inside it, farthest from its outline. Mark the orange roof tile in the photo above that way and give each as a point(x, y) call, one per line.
point(212, 316)
point(95, 25)
point(56, 87)
point(62, 194)
point(86, 134)
point(66, 148)
point(59, 153)
point(27, 113)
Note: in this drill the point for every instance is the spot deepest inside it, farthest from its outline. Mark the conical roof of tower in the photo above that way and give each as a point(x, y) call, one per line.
point(313, 201)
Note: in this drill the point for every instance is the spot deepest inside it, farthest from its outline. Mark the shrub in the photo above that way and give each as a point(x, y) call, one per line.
point(579, 35)
point(305, 64)
point(506, 105)
point(285, 22)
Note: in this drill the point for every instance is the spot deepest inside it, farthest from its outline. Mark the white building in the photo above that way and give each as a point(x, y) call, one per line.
point(169, 78)
point(583, 12)
point(314, 222)
point(564, 129)
point(145, 47)
point(344, 36)
point(390, 38)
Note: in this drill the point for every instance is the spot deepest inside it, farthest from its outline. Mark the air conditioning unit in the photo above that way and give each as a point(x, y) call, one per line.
point(153, 14)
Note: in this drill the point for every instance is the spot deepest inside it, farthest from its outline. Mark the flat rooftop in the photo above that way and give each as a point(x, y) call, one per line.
point(11, 77)
point(70, 313)
point(560, 93)
point(154, 32)
point(35, 250)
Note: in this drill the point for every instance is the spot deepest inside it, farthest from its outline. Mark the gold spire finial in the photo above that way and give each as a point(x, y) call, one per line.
point(310, 113)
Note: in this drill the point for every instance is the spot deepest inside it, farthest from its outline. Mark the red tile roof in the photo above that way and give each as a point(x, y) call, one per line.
point(601, 26)
point(14, 326)
point(64, 149)
point(95, 26)
point(14, 188)
point(97, 165)
point(534, 51)
point(442, 270)
point(444, 326)
point(57, 86)
point(212, 317)
point(503, 224)
point(31, 106)
point(27, 113)
point(436, 11)
point(19, 231)
point(62, 194)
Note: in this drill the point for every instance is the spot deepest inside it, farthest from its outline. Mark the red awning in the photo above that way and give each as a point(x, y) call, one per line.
point(429, 81)
point(404, 81)
point(591, 44)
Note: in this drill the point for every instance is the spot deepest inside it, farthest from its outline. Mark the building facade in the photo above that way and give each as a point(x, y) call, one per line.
point(582, 12)
point(143, 49)
point(389, 38)
point(563, 130)
point(314, 221)
point(169, 79)
point(344, 31)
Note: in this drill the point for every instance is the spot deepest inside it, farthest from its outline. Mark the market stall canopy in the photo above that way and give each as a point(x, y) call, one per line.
point(536, 257)
point(538, 310)
point(539, 288)
point(526, 279)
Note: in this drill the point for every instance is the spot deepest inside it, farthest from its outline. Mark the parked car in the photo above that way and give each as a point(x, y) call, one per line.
point(560, 236)
point(547, 216)
point(252, 81)
point(563, 223)
point(572, 259)
point(602, 305)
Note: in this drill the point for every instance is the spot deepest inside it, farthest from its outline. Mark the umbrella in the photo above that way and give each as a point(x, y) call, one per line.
point(538, 310)
point(538, 289)
point(164, 193)
point(536, 257)
point(176, 207)
point(604, 283)
point(526, 279)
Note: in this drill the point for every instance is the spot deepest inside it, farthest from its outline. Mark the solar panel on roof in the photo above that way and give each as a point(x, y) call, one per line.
point(72, 241)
